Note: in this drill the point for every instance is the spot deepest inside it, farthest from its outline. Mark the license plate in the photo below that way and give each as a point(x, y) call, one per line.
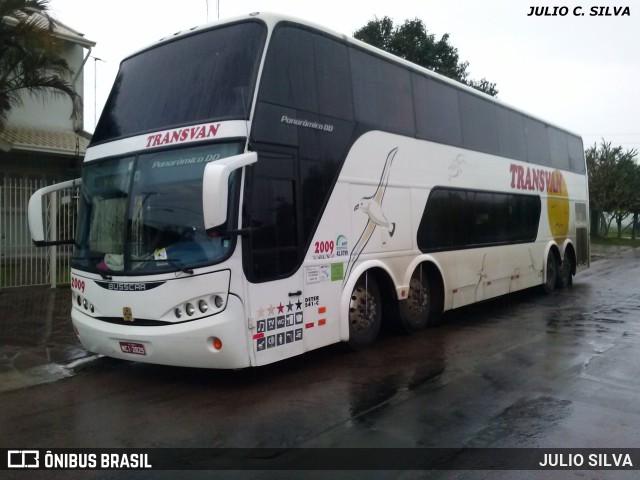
point(133, 348)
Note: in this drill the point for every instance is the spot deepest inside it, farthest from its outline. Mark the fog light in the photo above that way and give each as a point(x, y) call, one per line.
point(178, 313)
point(217, 343)
point(190, 309)
point(218, 301)
point(92, 308)
point(202, 305)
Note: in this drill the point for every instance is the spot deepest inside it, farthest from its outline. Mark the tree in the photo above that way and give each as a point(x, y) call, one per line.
point(614, 183)
point(414, 43)
point(30, 57)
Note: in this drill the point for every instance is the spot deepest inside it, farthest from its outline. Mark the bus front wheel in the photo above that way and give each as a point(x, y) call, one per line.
point(365, 312)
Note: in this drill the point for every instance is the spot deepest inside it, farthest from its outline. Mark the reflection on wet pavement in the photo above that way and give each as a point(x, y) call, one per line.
point(37, 342)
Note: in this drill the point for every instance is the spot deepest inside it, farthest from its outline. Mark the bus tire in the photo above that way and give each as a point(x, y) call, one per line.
point(365, 312)
point(565, 270)
point(551, 273)
point(416, 309)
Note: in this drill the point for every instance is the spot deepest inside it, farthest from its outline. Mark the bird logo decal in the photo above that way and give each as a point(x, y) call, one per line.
point(372, 207)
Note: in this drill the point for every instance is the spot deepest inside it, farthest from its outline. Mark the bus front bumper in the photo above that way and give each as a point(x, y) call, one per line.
point(187, 344)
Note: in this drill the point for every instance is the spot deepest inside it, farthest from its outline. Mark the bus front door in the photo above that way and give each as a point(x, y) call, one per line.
point(272, 256)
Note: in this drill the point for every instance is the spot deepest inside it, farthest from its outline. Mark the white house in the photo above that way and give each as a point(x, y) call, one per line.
point(40, 139)
point(40, 145)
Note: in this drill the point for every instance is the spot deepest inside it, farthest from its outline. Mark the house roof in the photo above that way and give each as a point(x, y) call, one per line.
point(60, 29)
point(68, 33)
point(43, 140)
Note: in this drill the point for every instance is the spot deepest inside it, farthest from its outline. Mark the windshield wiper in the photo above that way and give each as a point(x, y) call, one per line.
point(174, 262)
point(102, 273)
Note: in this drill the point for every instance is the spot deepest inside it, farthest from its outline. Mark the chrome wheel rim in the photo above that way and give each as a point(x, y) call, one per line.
point(362, 310)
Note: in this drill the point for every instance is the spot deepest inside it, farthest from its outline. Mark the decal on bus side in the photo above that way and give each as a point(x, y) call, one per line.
point(275, 327)
point(372, 207)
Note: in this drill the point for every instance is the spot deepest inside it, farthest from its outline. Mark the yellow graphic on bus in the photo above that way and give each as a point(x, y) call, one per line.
point(558, 208)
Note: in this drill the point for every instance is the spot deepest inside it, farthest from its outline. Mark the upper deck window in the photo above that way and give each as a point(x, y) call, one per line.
point(209, 75)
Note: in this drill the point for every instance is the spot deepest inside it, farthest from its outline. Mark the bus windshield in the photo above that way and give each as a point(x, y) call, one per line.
point(208, 75)
point(142, 214)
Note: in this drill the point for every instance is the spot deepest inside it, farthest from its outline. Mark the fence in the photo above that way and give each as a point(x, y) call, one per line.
point(21, 263)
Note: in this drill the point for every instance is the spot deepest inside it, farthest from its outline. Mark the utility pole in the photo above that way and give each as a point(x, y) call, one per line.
point(95, 89)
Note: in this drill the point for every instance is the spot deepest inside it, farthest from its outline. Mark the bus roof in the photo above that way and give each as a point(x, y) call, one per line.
point(271, 19)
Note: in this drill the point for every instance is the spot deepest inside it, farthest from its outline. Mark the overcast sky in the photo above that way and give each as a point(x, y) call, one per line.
point(579, 72)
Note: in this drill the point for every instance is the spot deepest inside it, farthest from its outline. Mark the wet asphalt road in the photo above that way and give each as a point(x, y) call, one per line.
point(527, 370)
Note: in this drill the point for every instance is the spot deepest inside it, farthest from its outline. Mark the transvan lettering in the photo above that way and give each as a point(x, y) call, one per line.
point(535, 179)
point(182, 135)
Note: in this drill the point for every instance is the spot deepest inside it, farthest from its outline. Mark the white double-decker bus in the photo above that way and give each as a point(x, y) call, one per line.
point(261, 187)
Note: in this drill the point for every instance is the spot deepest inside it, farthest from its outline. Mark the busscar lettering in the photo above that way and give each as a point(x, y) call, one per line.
point(127, 287)
point(198, 132)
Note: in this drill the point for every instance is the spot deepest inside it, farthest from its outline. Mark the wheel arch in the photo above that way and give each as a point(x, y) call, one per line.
point(435, 277)
point(386, 283)
point(551, 249)
point(569, 247)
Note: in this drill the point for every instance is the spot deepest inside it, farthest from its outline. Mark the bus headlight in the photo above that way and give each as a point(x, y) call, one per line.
point(218, 301)
point(178, 312)
point(190, 309)
point(202, 305)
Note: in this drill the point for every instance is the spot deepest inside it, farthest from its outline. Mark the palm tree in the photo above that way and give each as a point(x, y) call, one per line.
point(30, 58)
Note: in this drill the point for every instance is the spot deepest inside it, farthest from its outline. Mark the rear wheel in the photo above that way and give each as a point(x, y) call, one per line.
point(552, 273)
point(564, 271)
point(415, 311)
point(365, 312)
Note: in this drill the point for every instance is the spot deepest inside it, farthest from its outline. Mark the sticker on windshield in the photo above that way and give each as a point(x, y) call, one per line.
point(160, 254)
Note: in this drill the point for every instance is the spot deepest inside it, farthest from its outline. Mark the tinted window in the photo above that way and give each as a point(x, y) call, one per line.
point(479, 131)
point(558, 148)
point(511, 138)
point(271, 212)
point(307, 71)
point(382, 93)
point(206, 76)
point(537, 142)
point(304, 102)
point(455, 219)
point(576, 154)
point(437, 111)
point(446, 221)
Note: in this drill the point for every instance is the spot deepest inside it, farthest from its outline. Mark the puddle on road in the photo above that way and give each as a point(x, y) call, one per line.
point(603, 321)
point(375, 396)
point(37, 341)
point(524, 424)
point(14, 379)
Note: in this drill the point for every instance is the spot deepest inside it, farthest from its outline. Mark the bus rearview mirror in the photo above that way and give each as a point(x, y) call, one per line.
point(40, 217)
point(215, 187)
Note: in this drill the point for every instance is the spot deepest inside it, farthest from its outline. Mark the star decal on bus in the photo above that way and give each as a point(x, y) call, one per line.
point(372, 207)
